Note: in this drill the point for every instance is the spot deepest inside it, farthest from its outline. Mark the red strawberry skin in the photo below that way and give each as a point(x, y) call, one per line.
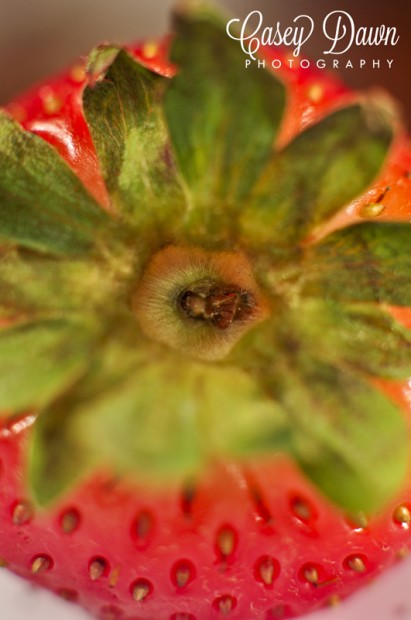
point(240, 538)
point(261, 543)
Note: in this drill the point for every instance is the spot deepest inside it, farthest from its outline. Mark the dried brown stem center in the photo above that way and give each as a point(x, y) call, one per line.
point(218, 305)
point(198, 302)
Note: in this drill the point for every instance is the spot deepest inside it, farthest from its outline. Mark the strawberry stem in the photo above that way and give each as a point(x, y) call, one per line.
point(198, 302)
point(219, 305)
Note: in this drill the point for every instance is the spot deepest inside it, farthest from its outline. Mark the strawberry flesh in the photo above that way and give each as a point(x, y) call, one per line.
point(131, 553)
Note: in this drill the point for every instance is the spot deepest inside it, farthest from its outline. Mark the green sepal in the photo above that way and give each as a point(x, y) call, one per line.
point(57, 457)
point(34, 286)
point(363, 337)
point(43, 205)
point(374, 342)
point(314, 176)
point(160, 422)
point(367, 262)
point(296, 384)
point(40, 360)
point(123, 111)
point(349, 438)
point(222, 117)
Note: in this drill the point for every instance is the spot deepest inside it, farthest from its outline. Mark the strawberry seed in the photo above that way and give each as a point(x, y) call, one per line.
point(140, 590)
point(97, 568)
point(402, 516)
point(41, 564)
point(22, 513)
point(355, 563)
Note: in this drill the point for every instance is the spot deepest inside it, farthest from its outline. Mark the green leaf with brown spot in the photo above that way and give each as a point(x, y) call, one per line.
point(312, 178)
point(368, 262)
point(350, 438)
point(373, 342)
point(123, 111)
point(347, 435)
point(43, 205)
point(363, 337)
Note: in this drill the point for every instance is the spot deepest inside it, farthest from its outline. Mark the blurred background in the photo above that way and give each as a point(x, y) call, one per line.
point(41, 37)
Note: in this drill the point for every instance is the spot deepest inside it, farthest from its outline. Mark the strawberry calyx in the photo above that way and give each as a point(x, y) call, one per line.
point(201, 286)
point(200, 303)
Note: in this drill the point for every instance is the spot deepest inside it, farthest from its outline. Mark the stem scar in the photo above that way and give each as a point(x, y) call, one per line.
point(218, 305)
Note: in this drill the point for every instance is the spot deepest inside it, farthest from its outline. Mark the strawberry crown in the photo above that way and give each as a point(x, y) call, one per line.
point(196, 321)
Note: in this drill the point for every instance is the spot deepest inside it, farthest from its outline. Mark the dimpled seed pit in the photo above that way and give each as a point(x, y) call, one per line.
point(310, 574)
point(141, 589)
point(373, 209)
point(22, 513)
point(70, 521)
point(301, 509)
point(40, 564)
point(225, 541)
point(97, 568)
point(183, 573)
point(225, 604)
point(142, 527)
point(267, 570)
point(355, 563)
point(402, 516)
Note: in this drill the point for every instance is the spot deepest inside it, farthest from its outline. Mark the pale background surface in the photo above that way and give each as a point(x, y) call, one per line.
point(41, 37)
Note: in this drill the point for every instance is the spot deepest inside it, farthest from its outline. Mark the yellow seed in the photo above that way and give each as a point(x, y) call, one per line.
point(22, 513)
point(114, 576)
point(225, 605)
point(334, 600)
point(356, 564)
point(182, 577)
point(140, 591)
point(3, 563)
point(301, 510)
point(373, 209)
point(266, 571)
point(40, 564)
point(150, 49)
point(403, 553)
point(359, 520)
point(402, 515)
point(225, 541)
point(51, 104)
point(316, 92)
point(311, 575)
point(70, 521)
point(78, 73)
point(96, 569)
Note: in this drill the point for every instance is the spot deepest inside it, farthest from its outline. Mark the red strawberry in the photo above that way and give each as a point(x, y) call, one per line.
point(204, 348)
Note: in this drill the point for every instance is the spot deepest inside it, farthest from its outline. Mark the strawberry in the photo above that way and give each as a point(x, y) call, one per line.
point(204, 296)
